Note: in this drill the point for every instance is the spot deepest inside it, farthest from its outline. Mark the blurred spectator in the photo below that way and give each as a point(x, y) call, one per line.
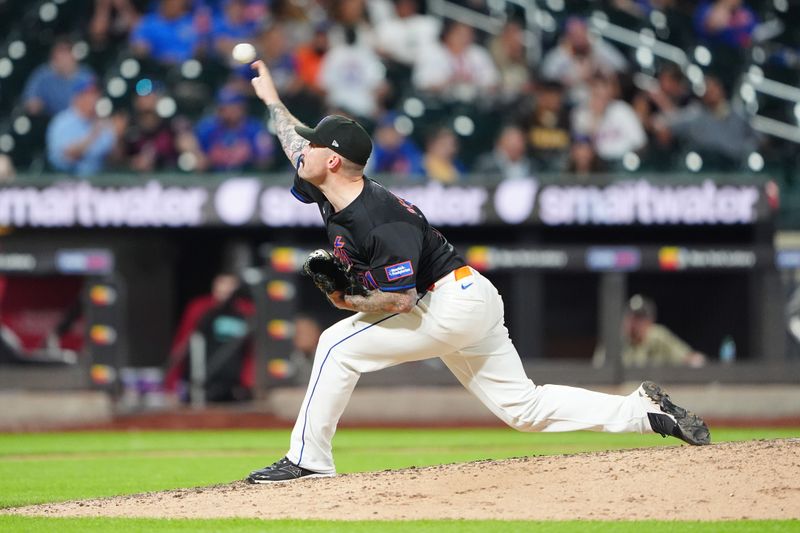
point(792, 320)
point(578, 57)
point(403, 38)
point(221, 318)
point(78, 141)
point(149, 142)
point(509, 54)
point(583, 160)
point(152, 142)
point(635, 8)
point(7, 170)
point(255, 11)
point(393, 152)
point(440, 158)
point(308, 57)
point(642, 8)
point(169, 34)
point(231, 140)
point(48, 89)
point(612, 124)
point(726, 27)
point(112, 19)
point(508, 159)
point(645, 343)
point(725, 22)
point(352, 76)
point(350, 15)
point(299, 20)
point(232, 26)
point(456, 68)
point(41, 319)
point(668, 93)
point(721, 135)
point(304, 345)
point(379, 11)
point(548, 127)
point(274, 51)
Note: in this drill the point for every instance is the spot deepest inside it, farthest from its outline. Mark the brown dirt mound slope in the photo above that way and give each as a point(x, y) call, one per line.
point(754, 479)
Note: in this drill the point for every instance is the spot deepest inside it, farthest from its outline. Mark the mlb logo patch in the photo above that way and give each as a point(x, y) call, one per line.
point(399, 270)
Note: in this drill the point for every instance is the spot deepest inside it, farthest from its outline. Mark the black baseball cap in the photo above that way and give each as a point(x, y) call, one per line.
point(344, 136)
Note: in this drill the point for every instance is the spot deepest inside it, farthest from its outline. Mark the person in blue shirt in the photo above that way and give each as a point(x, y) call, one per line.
point(393, 152)
point(231, 140)
point(78, 142)
point(725, 22)
point(232, 26)
point(169, 34)
point(44, 93)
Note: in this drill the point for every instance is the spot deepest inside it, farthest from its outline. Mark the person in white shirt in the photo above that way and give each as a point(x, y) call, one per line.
point(577, 57)
point(352, 76)
point(457, 68)
point(509, 53)
point(403, 37)
point(613, 125)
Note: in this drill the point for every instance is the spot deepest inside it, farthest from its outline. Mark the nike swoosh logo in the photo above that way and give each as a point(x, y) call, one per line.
point(468, 285)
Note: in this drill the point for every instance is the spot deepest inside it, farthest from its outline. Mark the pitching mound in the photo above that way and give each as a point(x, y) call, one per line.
point(755, 479)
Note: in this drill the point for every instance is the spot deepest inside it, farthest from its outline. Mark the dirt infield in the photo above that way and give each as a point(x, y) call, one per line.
point(742, 480)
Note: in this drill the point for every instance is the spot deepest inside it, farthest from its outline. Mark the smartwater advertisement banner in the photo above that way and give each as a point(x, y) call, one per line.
point(246, 201)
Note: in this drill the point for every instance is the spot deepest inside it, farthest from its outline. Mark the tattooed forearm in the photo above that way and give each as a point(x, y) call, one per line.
point(285, 122)
point(386, 302)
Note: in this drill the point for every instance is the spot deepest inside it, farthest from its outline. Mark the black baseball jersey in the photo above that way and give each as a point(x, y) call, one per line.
point(387, 241)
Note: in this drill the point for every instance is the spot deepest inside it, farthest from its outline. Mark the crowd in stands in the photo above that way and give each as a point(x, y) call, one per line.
point(441, 98)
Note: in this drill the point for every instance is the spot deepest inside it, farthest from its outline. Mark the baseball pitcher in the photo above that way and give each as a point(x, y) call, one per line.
point(414, 298)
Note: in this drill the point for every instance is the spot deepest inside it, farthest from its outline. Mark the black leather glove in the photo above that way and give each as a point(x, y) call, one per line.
point(330, 274)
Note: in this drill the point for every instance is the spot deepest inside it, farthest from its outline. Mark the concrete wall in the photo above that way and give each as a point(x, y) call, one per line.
point(455, 404)
point(447, 405)
point(21, 410)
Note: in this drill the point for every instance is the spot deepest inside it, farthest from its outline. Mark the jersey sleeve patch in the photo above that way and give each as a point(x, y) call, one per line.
point(399, 271)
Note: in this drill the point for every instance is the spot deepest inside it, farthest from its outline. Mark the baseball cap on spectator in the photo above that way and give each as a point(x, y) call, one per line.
point(344, 136)
point(550, 85)
point(323, 26)
point(84, 84)
point(641, 307)
point(227, 96)
point(388, 119)
point(572, 22)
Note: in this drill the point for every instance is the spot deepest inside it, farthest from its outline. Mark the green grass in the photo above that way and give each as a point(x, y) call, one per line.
point(49, 467)
point(102, 525)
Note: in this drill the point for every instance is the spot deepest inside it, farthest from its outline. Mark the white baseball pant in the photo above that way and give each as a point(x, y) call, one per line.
point(460, 321)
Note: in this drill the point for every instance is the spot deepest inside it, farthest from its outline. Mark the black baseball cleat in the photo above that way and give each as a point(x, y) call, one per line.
point(668, 419)
point(283, 470)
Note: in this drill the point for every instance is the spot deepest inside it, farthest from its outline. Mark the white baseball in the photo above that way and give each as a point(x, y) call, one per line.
point(244, 53)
